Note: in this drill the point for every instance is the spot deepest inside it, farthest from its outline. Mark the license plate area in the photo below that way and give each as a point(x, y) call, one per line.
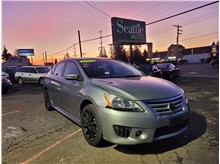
point(175, 121)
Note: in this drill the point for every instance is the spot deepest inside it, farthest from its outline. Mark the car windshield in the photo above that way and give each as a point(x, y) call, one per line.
point(162, 65)
point(108, 69)
point(43, 69)
point(147, 69)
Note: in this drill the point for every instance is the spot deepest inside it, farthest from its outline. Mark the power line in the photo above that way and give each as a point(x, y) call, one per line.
point(164, 43)
point(181, 13)
point(199, 36)
point(176, 9)
point(156, 6)
point(101, 11)
point(146, 24)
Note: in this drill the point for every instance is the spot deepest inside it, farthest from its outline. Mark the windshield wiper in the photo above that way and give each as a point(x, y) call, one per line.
point(125, 76)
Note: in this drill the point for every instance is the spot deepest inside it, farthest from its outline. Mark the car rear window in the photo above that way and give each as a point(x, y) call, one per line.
point(43, 69)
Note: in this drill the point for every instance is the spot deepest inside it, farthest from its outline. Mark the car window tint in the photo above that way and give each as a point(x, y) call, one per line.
point(31, 70)
point(154, 67)
point(71, 68)
point(21, 70)
point(53, 69)
point(108, 69)
point(162, 65)
point(59, 69)
point(43, 69)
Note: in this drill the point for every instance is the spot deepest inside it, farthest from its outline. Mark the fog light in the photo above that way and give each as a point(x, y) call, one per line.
point(138, 133)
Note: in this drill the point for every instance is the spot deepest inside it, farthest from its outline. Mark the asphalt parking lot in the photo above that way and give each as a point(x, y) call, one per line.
point(30, 134)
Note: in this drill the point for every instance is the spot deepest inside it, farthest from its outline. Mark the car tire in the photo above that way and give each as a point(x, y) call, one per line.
point(91, 126)
point(41, 81)
point(20, 81)
point(47, 100)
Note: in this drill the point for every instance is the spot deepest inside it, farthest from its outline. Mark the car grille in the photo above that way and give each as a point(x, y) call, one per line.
point(166, 106)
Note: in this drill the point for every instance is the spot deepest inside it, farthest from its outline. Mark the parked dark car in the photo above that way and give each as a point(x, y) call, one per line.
point(169, 70)
point(172, 62)
point(10, 70)
point(6, 83)
point(151, 70)
point(215, 62)
point(183, 61)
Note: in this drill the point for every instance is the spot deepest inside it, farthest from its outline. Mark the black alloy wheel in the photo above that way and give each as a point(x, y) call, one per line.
point(91, 126)
point(47, 101)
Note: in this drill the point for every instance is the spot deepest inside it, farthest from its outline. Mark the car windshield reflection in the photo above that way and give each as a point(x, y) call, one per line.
point(108, 69)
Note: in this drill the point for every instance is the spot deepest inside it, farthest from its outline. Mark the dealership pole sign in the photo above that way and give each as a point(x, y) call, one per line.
point(128, 32)
point(26, 52)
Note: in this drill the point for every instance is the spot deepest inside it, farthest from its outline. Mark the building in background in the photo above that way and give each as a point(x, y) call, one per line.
point(192, 55)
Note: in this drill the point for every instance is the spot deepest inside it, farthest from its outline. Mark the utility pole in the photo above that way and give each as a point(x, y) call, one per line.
point(74, 45)
point(101, 48)
point(43, 59)
point(177, 40)
point(46, 57)
point(80, 47)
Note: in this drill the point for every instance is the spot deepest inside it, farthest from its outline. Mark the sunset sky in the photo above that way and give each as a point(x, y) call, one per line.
point(53, 26)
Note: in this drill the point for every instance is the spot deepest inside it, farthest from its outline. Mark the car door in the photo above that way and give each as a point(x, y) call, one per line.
point(56, 83)
point(70, 96)
point(24, 74)
point(32, 75)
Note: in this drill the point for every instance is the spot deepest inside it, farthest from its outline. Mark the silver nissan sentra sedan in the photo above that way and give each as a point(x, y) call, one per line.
point(113, 101)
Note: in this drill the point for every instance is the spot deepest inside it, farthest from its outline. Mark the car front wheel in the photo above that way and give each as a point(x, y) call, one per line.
point(91, 126)
point(47, 101)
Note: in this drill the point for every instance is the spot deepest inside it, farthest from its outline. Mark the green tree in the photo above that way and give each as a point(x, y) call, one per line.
point(120, 53)
point(103, 53)
point(145, 56)
point(5, 54)
point(137, 57)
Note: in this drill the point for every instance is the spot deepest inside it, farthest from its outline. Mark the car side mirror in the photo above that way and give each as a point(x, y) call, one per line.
point(73, 77)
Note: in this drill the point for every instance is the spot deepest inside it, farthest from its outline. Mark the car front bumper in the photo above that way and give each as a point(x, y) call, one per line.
point(131, 128)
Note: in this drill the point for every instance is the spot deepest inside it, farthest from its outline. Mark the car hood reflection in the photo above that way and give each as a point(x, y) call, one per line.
point(139, 88)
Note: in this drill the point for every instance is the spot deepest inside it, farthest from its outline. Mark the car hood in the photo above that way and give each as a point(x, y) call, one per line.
point(139, 88)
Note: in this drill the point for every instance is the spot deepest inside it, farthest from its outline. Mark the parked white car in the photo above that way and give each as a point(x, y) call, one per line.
point(31, 74)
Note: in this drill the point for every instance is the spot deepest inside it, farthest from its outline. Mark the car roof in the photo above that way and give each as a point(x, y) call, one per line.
point(86, 58)
point(32, 66)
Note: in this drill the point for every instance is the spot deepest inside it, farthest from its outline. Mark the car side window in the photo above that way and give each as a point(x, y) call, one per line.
point(154, 67)
point(71, 68)
point(172, 66)
point(59, 69)
point(31, 70)
point(20, 70)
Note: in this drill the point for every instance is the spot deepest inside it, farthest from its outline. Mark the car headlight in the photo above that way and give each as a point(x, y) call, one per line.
point(185, 103)
point(121, 104)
